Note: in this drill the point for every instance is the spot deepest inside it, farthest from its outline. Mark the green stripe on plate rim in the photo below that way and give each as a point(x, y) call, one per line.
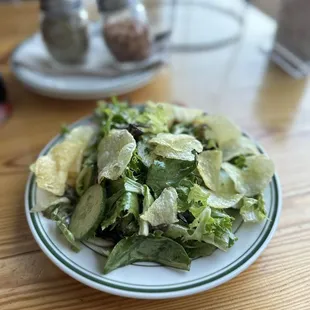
point(52, 248)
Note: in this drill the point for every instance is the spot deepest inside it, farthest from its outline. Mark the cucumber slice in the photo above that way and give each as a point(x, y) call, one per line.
point(88, 213)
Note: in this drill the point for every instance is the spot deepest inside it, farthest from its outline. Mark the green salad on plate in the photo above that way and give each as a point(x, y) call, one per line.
point(152, 183)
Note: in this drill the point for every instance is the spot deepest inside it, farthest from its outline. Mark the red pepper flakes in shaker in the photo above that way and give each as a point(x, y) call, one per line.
point(125, 29)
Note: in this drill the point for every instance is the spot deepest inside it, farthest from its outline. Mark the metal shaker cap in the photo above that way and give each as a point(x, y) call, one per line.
point(112, 5)
point(60, 5)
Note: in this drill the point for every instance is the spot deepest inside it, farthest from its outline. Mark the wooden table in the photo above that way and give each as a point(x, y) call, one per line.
point(237, 81)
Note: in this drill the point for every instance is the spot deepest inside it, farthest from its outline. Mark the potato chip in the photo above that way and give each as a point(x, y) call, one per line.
point(114, 153)
point(226, 197)
point(48, 176)
point(253, 179)
point(222, 129)
point(176, 146)
point(176, 113)
point(241, 146)
point(177, 142)
point(209, 166)
point(223, 201)
point(253, 210)
point(185, 115)
point(52, 169)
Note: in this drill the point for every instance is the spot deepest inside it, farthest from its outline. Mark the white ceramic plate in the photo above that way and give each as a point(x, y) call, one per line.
point(77, 87)
point(151, 281)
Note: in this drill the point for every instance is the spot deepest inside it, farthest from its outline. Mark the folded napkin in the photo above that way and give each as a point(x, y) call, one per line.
point(34, 56)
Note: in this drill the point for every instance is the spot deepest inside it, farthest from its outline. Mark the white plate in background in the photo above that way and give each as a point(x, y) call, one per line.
point(77, 87)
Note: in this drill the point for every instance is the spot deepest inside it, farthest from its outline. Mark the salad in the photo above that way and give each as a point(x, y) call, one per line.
point(156, 183)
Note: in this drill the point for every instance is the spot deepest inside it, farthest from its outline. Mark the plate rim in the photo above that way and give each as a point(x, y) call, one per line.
point(245, 259)
point(136, 83)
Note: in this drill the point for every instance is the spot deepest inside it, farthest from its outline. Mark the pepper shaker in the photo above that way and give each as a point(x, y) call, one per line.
point(64, 29)
point(125, 29)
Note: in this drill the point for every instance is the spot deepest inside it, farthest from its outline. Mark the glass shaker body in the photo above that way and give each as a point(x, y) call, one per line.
point(65, 32)
point(126, 33)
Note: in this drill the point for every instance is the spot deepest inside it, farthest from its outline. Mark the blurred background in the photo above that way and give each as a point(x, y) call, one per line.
point(246, 59)
point(210, 54)
point(218, 37)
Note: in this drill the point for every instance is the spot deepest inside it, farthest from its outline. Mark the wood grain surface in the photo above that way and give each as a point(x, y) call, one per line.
point(237, 81)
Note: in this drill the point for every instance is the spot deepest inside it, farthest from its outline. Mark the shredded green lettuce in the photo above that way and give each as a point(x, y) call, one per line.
point(253, 210)
point(168, 172)
point(159, 181)
point(155, 118)
point(147, 202)
point(161, 250)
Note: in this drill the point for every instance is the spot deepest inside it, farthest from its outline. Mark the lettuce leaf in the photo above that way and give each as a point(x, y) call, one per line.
point(127, 226)
point(147, 202)
point(163, 210)
point(63, 227)
point(183, 190)
point(198, 194)
point(115, 115)
point(61, 215)
point(196, 249)
point(136, 170)
point(147, 249)
point(114, 154)
point(253, 210)
point(155, 117)
point(220, 200)
point(212, 226)
point(176, 231)
point(127, 203)
point(168, 172)
point(117, 188)
point(239, 161)
point(133, 186)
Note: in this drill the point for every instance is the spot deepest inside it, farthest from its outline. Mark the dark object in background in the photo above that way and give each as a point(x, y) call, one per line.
point(292, 44)
point(125, 29)
point(5, 107)
point(64, 28)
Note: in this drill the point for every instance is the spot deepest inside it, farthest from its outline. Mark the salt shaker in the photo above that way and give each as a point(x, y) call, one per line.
point(64, 29)
point(125, 29)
